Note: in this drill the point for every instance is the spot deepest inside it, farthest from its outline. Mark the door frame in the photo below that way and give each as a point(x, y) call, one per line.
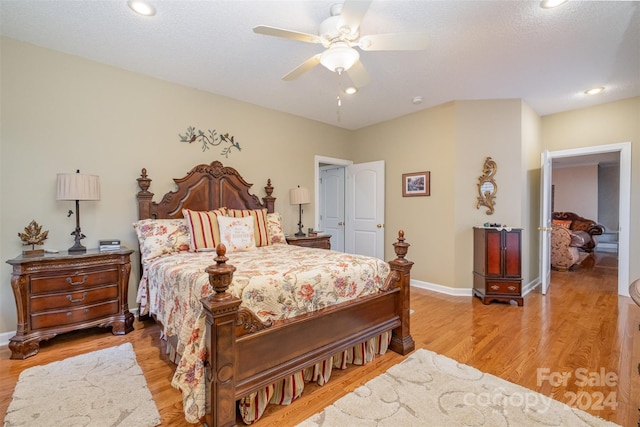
point(624, 220)
point(317, 159)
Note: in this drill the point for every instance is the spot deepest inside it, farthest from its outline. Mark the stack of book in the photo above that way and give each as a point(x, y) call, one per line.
point(109, 245)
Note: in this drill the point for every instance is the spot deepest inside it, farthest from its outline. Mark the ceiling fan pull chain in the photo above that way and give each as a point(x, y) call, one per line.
point(338, 100)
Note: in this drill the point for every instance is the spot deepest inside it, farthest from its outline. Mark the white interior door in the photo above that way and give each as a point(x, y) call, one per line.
point(364, 228)
point(332, 214)
point(545, 222)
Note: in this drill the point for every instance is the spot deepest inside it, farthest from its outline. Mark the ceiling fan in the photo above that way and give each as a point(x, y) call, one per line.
point(340, 35)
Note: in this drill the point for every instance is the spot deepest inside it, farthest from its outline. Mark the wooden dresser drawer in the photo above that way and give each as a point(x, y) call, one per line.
point(503, 287)
point(320, 242)
point(73, 315)
point(56, 293)
point(73, 298)
point(69, 282)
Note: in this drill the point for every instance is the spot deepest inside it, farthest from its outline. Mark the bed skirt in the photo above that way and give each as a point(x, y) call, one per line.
point(285, 391)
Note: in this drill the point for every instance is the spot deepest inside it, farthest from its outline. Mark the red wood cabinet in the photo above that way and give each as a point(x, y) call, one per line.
point(497, 264)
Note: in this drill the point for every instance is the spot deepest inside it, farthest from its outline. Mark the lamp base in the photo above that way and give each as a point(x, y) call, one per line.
point(300, 234)
point(78, 236)
point(77, 248)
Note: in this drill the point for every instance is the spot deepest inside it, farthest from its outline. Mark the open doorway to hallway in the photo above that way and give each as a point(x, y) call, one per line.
point(618, 230)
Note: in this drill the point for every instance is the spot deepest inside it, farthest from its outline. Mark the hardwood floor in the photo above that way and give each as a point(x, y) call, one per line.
point(580, 323)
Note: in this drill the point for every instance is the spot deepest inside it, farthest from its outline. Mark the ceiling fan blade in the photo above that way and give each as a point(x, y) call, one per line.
point(358, 75)
point(303, 68)
point(352, 13)
point(394, 41)
point(287, 34)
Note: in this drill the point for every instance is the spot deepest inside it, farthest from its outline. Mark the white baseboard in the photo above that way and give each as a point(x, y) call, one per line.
point(464, 291)
point(441, 289)
point(5, 337)
point(606, 247)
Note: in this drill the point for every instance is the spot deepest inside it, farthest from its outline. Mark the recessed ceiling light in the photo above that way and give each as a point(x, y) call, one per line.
point(550, 4)
point(142, 7)
point(351, 90)
point(417, 100)
point(594, 90)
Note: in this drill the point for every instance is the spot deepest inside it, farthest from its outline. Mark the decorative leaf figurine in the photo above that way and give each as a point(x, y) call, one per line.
point(33, 235)
point(212, 139)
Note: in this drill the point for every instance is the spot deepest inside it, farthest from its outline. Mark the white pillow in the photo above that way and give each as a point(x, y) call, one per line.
point(237, 234)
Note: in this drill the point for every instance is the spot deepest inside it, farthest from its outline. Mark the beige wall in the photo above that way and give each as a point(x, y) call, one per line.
point(576, 190)
point(60, 113)
point(423, 141)
point(531, 149)
point(451, 141)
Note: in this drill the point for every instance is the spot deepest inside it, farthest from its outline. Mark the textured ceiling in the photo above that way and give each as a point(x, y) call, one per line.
point(477, 50)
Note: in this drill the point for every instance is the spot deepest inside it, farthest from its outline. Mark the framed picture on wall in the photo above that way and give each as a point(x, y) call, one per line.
point(416, 184)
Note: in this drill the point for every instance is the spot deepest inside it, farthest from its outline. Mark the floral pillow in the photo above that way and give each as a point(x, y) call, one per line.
point(274, 226)
point(237, 234)
point(161, 236)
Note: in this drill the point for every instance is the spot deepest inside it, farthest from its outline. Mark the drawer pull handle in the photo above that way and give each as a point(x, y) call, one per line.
point(70, 298)
point(512, 288)
point(72, 283)
point(68, 314)
point(495, 287)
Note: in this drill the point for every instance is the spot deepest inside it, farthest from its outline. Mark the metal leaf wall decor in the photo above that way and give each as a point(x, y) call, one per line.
point(211, 139)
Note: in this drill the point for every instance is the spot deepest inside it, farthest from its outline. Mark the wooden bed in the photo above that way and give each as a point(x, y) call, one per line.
point(246, 354)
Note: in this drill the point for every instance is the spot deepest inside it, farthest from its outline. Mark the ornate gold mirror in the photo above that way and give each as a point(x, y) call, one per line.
point(487, 187)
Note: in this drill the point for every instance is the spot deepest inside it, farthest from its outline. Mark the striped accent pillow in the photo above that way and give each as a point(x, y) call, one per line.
point(259, 220)
point(204, 231)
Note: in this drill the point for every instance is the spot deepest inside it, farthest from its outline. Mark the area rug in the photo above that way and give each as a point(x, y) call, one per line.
point(428, 389)
point(103, 388)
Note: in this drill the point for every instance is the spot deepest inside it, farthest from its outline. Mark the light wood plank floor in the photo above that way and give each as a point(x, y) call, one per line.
point(581, 323)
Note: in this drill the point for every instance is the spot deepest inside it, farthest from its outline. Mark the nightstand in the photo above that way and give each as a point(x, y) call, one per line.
point(58, 293)
point(320, 242)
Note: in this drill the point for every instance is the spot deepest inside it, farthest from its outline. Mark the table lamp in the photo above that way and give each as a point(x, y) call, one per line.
point(77, 186)
point(299, 196)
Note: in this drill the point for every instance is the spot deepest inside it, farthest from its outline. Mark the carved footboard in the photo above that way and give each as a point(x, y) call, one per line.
point(245, 354)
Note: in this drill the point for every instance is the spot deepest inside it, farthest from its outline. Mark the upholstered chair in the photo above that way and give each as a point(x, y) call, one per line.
point(563, 252)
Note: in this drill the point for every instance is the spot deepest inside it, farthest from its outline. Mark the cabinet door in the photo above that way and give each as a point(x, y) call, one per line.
point(494, 252)
point(512, 254)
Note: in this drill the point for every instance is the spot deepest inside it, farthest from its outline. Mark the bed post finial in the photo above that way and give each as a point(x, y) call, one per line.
point(144, 181)
point(220, 274)
point(144, 196)
point(269, 201)
point(400, 247)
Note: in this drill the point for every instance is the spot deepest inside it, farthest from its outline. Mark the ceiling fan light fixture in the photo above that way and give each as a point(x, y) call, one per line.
point(339, 57)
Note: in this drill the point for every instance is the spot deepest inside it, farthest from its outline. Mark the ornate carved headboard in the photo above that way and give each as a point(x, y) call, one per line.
point(204, 188)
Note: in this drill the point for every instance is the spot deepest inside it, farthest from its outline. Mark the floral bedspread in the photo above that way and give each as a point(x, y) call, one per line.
point(275, 282)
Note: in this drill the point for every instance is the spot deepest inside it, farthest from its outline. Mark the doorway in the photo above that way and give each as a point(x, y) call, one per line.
point(336, 230)
point(349, 202)
point(624, 204)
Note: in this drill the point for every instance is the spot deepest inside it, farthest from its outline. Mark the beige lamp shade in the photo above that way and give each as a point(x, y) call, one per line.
point(78, 186)
point(299, 196)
